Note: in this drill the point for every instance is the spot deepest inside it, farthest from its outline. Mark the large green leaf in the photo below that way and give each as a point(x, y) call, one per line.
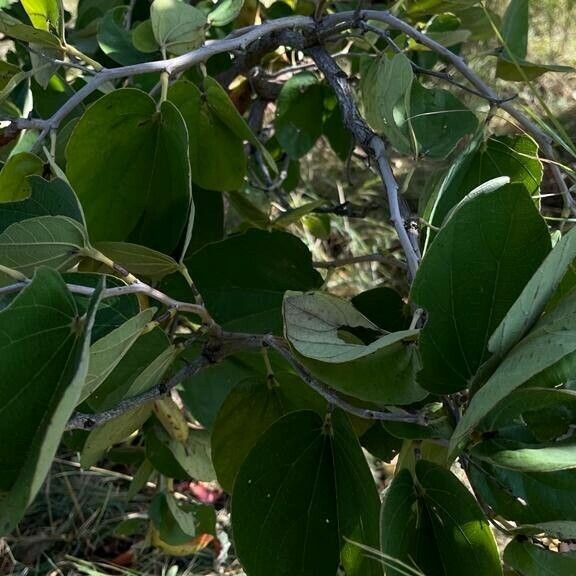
point(210, 140)
point(551, 340)
point(55, 241)
point(129, 165)
point(304, 491)
point(177, 26)
point(431, 522)
point(106, 353)
point(535, 295)
point(515, 157)
point(44, 347)
point(469, 278)
point(528, 559)
point(247, 292)
point(225, 12)
point(14, 184)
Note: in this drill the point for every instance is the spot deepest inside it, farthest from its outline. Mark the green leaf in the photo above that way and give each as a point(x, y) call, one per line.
point(433, 524)
point(313, 323)
point(562, 530)
point(115, 40)
point(439, 120)
point(326, 331)
point(139, 260)
point(528, 559)
point(385, 86)
point(248, 411)
point(469, 278)
point(549, 457)
point(112, 312)
point(38, 397)
point(55, 241)
point(44, 14)
point(515, 157)
point(339, 505)
point(143, 38)
point(384, 307)
point(210, 140)
point(208, 218)
point(219, 102)
point(13, 28)
point(299, 114)
point(551, 340)
point(106, 353)
point(515, 28)
point(154, 372)
point(295, 215)
point(176, 522)
point(147, 348)
point(522, 70)
point(178, 27)
point(101, 439)
point(129, 166)
point(14, 185)
point(247, 292)
point(525, 497)
point(247, 210)
point(224, 12)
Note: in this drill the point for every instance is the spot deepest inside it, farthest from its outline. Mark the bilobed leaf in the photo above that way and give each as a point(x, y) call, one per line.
point(175, 522)
point(178, 27)
point(225, 12)
point(44, 14)
point(129, 166)
point(386, 85)
point(139, 260)
point(474, 270)
point(101, 439)
point(55, 241)
point(515, 28)
point(322, 330)
point(14, 185)
point(551, 340)
point(313, 321)
point(38, 397)
point(210, 140)
point(431, 522)
point(340, 505)
point(106, 353)
point(535, 295)
point(247, 292)
point(528, 559)
point(13, 28)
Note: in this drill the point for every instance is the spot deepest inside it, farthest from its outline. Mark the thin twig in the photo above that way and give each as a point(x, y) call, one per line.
point(332, 398)
point(374, 146)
